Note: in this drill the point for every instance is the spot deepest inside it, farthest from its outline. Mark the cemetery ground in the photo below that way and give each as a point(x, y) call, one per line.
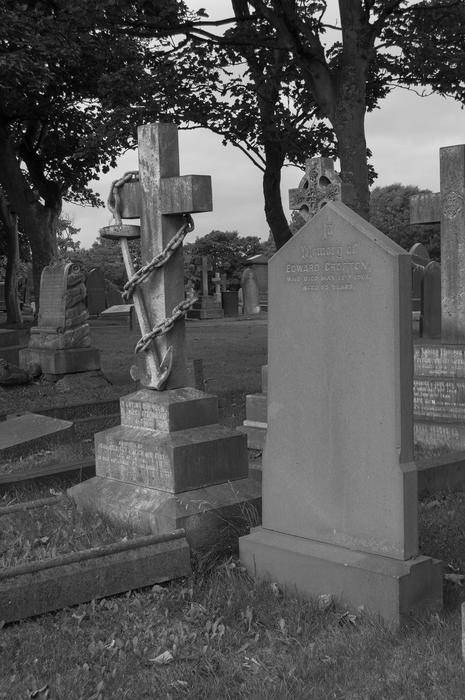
point(220, 634)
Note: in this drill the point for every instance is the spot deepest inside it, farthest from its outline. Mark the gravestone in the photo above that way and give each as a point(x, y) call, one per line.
point(320, 184)
point(448, 208)
point(206, 306)
point(339, 481)
point(259, 265)
point(95, 288)
point(250, 292)
point(61, 343)
point(170, 464)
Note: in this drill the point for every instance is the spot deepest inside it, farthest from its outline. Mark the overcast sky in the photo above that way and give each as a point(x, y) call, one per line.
point(404, 135)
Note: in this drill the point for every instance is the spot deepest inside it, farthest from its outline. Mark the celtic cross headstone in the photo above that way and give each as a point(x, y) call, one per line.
point(320, 184)
point(447, 207)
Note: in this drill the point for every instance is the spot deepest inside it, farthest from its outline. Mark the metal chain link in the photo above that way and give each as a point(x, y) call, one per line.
point(166, 325)
point(114, 198)
point(160, 259)
point(114, 205)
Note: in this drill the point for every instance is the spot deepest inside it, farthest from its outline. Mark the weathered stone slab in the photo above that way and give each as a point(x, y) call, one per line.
point(215, 515)
point(58, 362)
point(339, 481)
point(25, 434)
point(42, 586)
point(312, 568)
point(440, 433)
point(168, 411)
point(174, 462)
point(340, 278)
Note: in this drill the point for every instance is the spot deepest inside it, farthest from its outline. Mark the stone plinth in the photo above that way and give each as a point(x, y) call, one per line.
point(206, 307)
point(339, 481)
point(60, 362)
point(160, 465)
point(393, 589)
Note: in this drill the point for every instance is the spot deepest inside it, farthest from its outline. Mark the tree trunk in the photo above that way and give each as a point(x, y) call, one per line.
point(43, 244)
point(274, 212)
point(10, 223)
point(348, 116)
point(38, 221)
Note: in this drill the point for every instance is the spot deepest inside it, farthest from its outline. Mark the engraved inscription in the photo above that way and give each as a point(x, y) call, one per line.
point(133, 463)
point(328, 268)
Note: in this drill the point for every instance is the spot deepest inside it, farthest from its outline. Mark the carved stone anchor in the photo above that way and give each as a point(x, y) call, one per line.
point(157, 371)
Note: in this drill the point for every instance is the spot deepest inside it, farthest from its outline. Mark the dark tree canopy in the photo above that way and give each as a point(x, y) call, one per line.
point(390, 213)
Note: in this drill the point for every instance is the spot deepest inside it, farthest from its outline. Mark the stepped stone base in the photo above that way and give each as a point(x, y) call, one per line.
point(385, 587)
point(206, 307)
point(172, 462)
point(61, 361)
point(215, 515)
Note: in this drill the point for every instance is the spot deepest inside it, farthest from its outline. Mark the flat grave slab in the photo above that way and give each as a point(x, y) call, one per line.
point(24, 434)
point(50, 583)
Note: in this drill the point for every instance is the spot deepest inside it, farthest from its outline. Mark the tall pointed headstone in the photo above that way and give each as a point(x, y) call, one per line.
point(339, 481)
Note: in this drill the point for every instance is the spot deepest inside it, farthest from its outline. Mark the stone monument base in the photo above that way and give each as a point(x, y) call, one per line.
point(206, 307)
point(390, 588)
point(61, 361)
point(211, 516)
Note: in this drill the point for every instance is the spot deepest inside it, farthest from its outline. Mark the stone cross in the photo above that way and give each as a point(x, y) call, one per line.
point(320, 184)
point(447, 207)
point(159, 198)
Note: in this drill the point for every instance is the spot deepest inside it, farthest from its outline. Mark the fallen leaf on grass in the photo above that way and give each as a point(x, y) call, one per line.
point(325, 601)
point(165, 658)
point(347, 618)
point(40, 692)
point(455, 578)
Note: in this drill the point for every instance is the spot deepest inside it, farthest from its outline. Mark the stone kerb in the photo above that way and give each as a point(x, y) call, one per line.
point(339, 482)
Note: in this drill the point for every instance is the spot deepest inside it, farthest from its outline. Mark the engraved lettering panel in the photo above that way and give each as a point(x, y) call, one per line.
point(334, 268)
point(133, 462)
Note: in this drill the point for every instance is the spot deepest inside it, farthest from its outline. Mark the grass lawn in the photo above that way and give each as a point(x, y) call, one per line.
point(220, 634)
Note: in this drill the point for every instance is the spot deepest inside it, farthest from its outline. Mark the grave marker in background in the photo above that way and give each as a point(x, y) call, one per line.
point(339, 481)
point(61, 342)
point(95, 288)
point(448, 207)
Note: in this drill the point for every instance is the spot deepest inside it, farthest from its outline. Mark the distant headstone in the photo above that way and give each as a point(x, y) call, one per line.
point(206, 306)
point(259, 265)
point(448, 206)
point(339, 481)
point(420, 254)
point(61, 342)
point(113, 297)
point(95, 288)
point(432, 300)
point(250, 292)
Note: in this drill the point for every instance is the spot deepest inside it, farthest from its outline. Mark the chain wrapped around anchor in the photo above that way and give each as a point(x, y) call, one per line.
point(163, 327)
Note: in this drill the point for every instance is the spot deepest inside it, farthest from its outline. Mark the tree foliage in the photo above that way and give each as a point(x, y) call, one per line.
point(390, 213)
point(73, 78)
